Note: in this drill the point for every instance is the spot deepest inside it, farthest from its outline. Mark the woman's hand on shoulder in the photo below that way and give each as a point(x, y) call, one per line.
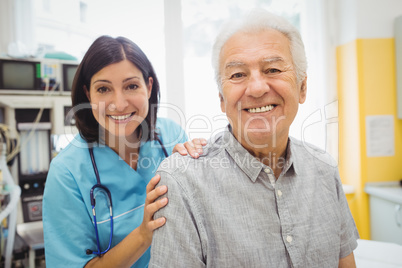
point(149, 224)
point(194, 147)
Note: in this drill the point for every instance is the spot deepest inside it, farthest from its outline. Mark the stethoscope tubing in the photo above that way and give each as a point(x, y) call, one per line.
point(93, 202)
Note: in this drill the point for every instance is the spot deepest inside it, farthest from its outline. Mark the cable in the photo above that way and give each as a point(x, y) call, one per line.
point(18, 146)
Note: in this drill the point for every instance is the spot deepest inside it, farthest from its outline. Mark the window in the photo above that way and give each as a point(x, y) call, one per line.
point(201, 23)
point(46, 5)
point(83, 12)
point(75, 25)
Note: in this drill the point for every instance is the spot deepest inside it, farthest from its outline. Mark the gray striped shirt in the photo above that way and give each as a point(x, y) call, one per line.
point(226, 209)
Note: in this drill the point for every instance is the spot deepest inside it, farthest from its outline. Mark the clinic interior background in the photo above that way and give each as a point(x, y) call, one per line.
point(177, 36)
point(351, 67)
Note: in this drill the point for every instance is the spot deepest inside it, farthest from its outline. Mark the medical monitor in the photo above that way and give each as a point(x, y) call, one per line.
point(69, 71)
point(20, 74)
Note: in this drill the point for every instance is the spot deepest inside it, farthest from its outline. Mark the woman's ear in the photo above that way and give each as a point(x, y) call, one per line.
point(87, 93)
point(150, 83)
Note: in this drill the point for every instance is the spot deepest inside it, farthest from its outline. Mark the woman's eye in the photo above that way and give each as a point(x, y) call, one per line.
point(132, 86)
point(237, 75)
point(102, 89)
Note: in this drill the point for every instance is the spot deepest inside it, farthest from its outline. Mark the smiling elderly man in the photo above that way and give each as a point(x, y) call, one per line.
point(257, 197)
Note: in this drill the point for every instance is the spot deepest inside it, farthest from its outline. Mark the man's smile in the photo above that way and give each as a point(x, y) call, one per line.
point(262, 109)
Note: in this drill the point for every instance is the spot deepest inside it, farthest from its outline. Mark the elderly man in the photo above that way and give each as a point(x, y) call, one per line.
point(256, 197)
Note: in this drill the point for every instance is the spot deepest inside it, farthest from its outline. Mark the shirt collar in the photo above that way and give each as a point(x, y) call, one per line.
point(290, 157)
point(248, 163)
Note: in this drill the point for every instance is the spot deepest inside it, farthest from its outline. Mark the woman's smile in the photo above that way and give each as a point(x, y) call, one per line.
point(120, 119)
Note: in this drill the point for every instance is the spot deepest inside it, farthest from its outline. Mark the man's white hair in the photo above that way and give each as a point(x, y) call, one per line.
point(255, 21)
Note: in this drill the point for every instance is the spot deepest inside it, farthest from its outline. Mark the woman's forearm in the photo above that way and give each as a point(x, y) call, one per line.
point(124, 254)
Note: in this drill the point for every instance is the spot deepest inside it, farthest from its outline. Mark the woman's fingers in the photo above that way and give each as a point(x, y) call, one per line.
point(155, 224)
point(180, 148)
point(152, 183)
point(154, 194)
point(155, 206)
point(191, 149)
point(194, 147)
point(149, 212)
point(203, 141)
point(198, 143)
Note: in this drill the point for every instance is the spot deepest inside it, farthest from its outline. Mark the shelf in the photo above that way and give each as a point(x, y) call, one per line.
point(19, 92)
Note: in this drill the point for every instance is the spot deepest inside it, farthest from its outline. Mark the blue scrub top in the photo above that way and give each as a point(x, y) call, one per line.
point(67, 212)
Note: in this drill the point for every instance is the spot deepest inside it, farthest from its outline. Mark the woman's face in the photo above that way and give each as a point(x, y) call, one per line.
point(119, 98)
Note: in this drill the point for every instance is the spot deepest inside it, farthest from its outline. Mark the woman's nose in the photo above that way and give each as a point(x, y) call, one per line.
point(257, 85)
point(119, 102)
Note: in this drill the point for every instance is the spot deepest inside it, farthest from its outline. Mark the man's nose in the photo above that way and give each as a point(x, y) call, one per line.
point(257, 85)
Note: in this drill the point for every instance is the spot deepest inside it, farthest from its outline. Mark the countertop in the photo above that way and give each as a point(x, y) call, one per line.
point(391, 191)
point(374, 254)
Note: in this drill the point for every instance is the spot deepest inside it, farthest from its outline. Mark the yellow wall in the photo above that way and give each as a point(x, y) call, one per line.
point(366, 86)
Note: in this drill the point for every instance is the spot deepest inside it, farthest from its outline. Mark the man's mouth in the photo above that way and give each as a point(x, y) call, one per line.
point(262, 109)
point(121, 117)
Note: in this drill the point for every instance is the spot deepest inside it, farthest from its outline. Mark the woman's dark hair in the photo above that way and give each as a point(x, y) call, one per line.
point(106, 50)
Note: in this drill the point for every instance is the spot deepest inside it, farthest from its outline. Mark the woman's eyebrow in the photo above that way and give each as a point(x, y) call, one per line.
point(101, 81)
point(107, 81)
point(130, 78)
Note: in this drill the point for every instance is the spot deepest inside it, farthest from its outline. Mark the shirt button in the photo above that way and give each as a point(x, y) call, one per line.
point(279, 193)
point(267, 170)
point(289, 239)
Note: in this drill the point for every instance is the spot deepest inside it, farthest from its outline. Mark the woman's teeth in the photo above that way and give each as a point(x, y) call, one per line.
point(261, 109)
point(120, 117)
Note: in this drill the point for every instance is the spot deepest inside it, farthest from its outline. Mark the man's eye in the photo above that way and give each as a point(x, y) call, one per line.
point(273, 70)
point(132, 86)
point(237, 75)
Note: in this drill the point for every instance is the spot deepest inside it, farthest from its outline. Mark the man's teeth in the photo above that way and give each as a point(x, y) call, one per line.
point(120, 117)
point(261, 109)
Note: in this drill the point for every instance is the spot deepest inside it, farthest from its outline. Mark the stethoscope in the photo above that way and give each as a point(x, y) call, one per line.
point(98, 185)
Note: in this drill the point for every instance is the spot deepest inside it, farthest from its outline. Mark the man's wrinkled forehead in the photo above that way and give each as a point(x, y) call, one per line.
point(275, 44)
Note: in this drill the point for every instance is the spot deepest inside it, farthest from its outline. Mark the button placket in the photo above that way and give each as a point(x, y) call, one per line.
point(279, 192)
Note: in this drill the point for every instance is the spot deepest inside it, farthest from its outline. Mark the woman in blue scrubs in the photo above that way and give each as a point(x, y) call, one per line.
point(115, 98)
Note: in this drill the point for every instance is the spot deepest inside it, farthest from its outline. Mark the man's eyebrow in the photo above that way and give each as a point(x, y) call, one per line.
point(234, 64)
point(270, 60)
point(240, 63)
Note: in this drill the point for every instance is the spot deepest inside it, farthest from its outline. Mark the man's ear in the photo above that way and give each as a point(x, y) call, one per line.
point(87, 93)
point(303, 91)
point(223, 109)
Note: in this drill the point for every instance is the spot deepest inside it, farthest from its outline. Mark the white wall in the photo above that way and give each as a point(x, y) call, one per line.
point(366, 19)
point(15, 18)
point(7, 24)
